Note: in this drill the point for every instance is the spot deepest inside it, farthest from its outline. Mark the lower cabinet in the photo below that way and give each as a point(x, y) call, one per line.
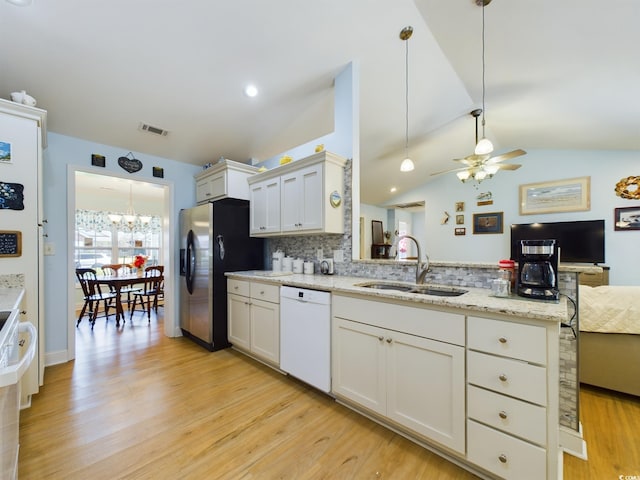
point(418, 383)
point(253, 310)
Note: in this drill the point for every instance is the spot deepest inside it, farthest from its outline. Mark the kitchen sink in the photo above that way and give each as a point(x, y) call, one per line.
point(438, 291)
point(4, 316)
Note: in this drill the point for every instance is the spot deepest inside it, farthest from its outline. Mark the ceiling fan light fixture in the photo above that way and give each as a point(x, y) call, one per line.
point(407, 165)
point(484, 147)
point(491, 169)
point(463, 176)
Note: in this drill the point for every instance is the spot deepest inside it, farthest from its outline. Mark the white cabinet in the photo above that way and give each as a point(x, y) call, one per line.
point(224, 179)
point(254, 319)
point(264, 212)
point(309, 197)
point(24, 136)
point(512, 397)
point(381, 364)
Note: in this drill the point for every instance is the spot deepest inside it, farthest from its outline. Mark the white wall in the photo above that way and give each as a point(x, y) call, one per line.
point(605, 168)
point(63, 151)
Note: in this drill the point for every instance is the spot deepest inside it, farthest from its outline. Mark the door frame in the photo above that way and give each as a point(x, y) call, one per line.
point(171, 329)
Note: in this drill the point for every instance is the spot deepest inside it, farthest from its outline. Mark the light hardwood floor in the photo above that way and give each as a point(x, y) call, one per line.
point(138, 405)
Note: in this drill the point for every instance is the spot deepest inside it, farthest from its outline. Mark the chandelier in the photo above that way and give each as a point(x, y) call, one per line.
point(130, 216)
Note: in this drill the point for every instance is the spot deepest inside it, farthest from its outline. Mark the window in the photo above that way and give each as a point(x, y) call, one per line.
point(99, 241)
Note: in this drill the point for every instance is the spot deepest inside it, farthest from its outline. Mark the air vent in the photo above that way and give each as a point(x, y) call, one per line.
point(145, 127)
point(410, 205)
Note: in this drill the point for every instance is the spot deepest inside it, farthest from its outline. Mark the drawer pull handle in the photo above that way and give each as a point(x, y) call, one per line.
point(503, 377)
point(502, 458)
point(502, 415)
point(236, 287)
point(381, 338)
point(261, 292)
point(389, 340)
point(502, 340)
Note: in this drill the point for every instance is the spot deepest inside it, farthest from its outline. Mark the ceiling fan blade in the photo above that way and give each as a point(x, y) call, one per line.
point(449, 171)
point(508, 166)
point(506, 156)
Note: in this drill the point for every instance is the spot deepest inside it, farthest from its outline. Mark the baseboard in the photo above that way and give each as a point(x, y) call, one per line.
point(55, 358)
point(571, 442)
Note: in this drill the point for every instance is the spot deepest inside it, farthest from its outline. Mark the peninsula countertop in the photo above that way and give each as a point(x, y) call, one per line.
point(10, 298)
point(476, 299)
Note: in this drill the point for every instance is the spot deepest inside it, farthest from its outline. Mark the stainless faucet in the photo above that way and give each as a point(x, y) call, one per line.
point(421, 268)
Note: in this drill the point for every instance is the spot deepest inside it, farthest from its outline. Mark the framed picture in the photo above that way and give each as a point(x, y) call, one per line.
point(570, 195)
point(98, 160)
point(459, 206)
point(5, 152)
point(459, 219)
point(488, 222)
point(460, 231)
point(626, 218)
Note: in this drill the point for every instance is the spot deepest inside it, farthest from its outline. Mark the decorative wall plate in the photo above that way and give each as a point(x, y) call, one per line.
point(629, 188)
point(335, 199)
point(130, 163)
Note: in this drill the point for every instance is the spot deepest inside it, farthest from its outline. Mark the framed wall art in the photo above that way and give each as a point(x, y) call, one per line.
point(626, 218)
point(570, 195)
point(460, 231)
point(5, 152)
point(488, 222)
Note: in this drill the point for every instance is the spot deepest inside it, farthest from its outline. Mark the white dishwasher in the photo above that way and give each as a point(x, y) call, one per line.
point(305, 335)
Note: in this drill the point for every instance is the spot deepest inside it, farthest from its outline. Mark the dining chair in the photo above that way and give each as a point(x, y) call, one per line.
point(126, 292)
point(93, 295)
point(148, 296)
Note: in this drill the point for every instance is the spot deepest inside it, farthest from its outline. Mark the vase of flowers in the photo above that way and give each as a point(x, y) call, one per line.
point(139, 262)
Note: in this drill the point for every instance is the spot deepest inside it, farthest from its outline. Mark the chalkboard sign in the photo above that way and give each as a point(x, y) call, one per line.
point(10, 243)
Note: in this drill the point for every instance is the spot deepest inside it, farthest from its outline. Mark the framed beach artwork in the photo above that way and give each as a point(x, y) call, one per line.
point(570, 195)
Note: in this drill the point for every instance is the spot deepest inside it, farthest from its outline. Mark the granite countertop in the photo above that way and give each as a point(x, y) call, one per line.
point(477, 299)
point(10, 298)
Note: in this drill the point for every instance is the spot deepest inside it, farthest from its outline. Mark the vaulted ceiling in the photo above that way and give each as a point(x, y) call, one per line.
point(559, 75)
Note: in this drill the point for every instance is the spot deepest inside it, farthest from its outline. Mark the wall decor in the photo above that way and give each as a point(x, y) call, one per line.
point(11, 196)
point(460, 231)
point(459, 219)
point(445, 218)
point(98, 160)
point(627, 218)
point(628, 188)
point(158, 172)
point(130, 163)
point(484, 198)
point(5, 152)
point(570, 195)
point(10, 243)
point(488, 222)
point(459, 206)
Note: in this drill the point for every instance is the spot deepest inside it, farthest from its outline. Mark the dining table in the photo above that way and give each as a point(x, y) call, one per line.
point(115, 284)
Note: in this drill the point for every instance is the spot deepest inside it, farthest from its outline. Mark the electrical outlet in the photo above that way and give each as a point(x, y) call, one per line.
point(338, 255)
point(319, 254)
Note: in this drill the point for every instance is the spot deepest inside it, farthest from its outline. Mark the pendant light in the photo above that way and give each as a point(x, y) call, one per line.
point(129, 217)
point(484, 146)
point(407, 164)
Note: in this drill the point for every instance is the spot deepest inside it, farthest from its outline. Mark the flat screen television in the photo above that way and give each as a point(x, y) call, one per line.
point(579, 242)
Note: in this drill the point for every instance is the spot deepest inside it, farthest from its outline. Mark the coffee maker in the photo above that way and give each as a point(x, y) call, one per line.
point(537, 269)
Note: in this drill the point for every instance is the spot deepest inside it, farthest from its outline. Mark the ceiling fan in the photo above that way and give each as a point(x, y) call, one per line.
point(480, 166)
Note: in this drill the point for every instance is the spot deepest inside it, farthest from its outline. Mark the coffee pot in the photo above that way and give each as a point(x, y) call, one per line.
point(538, 264)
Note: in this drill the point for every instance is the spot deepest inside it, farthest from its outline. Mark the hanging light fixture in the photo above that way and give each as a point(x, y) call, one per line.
point(129, 217)
point(484, 146)
point(407, 164)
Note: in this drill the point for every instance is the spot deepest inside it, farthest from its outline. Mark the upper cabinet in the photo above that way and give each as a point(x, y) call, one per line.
point(302, 197)
point(224, 179)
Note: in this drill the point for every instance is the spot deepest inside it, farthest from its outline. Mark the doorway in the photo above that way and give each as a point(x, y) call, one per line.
point(113, 192)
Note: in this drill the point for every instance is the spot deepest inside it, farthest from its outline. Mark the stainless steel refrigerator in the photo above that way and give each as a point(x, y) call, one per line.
point(214, 239)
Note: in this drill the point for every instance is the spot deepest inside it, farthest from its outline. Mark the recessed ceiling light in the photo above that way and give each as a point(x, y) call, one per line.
point(393, 189)
point(251, 90)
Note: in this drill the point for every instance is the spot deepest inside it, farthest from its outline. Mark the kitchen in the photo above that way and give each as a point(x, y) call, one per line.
point(63, 149)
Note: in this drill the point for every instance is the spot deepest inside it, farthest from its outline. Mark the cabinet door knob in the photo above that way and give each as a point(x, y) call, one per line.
point(503, 377)
point(381, 338)
point(389, 340)
point(502, 414)
point(502, 340)
point(261, 292)
point(502, 458)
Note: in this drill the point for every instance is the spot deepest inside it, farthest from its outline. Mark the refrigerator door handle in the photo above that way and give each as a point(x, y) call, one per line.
point(190, 262)
point(220, 240)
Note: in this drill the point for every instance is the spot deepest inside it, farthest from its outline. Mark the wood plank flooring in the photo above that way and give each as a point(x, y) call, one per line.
point(138, 405)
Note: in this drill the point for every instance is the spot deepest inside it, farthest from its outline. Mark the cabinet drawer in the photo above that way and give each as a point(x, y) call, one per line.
point(505, 455)
point(515, 340)
point(594, 279)
point(510, 377)
point(508, 414)
point(239, 287)
point(265, 291)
